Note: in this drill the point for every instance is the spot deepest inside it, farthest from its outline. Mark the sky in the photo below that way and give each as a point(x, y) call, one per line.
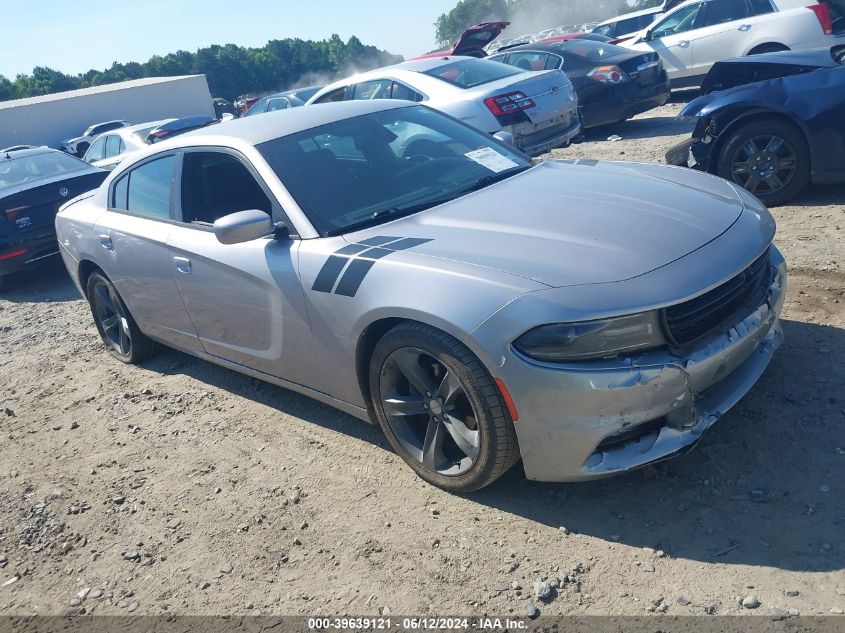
point(76, 35)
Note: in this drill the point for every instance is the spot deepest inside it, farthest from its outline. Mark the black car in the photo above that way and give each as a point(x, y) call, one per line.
point(613, 83)
point(34, 183)
point(283, 100)
point(772, 123)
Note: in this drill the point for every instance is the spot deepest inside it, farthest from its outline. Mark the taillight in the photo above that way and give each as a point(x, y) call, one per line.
point(822, 12)
point(608, 75)
point(11, 254)
point(509, 103)
point(12, 214)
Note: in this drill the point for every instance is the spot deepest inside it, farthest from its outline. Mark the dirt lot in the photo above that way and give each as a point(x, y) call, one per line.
point(182, 487)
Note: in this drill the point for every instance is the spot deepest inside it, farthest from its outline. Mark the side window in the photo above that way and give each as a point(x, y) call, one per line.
point(121, 189)
point(277, 104)
point(605, 29)
point(334, 95)
point(631, 25)
point(528, 61)
point(680, 21)
point(148, 190)
point(721, 11)
point(97, 151)
point(401, 91)
point(215, 184)
point(554, 62)
point(761, 7)
point(378, 89)
point(114, 145)
point(502, 57)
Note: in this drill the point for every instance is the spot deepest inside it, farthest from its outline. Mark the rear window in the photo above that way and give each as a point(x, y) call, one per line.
point(469, 73)
point(28, 168)
point(594, 51)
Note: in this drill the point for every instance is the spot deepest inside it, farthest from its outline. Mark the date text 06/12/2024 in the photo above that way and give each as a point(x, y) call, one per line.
point(415, 624)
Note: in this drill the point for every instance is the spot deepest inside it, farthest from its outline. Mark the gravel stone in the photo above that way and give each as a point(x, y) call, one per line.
point(529, 610)
point(750, 602)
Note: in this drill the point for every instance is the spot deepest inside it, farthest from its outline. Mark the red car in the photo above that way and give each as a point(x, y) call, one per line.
point(472, 41)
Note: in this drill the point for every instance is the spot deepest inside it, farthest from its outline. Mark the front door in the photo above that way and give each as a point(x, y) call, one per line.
point(245, 299)
point(672, 39)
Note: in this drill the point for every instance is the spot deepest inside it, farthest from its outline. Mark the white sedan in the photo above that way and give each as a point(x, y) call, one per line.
point(110, 149)
point(538, 108)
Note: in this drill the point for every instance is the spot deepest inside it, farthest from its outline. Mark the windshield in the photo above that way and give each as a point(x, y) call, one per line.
point(373, 168)
point(470, 73)
point(594, 51)
point(36, 166)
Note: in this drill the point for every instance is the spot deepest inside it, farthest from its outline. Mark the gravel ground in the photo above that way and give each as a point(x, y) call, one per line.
point(185, 488)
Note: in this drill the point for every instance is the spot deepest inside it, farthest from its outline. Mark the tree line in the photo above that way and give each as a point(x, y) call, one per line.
point(231, 70)
point(528, 15)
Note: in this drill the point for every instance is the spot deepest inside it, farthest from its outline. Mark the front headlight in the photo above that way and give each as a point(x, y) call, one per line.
point(586, 340)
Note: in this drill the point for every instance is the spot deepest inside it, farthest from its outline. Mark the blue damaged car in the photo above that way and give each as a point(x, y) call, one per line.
point(771, 123)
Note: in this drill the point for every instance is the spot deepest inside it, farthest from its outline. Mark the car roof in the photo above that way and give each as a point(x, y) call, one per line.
point(23, 153)
point(129, 129)
point(632, 14)
point(273, 125)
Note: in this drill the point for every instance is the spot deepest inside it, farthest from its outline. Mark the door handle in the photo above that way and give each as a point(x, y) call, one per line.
point(745, 27)
point(183, 265)
point(105, 242)
point(683, 43)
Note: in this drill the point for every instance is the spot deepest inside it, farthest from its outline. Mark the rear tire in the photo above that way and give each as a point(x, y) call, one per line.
point(440, 408)
point(115, 324)
point(769, 157)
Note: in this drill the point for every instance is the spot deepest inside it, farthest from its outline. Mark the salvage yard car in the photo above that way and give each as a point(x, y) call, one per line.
point(771, 123)
point(111, 148)
point(612, 83)
point(539, 109)
point(478, 308)
point(33, 184)
point(79, 145)
point(699, 33)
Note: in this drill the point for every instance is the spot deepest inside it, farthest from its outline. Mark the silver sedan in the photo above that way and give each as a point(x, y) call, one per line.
point(411, 271)
point(539, 109)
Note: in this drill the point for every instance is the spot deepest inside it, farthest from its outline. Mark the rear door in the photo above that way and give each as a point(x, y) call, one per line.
point(727, 28)
point(132, 236)
point(245, 299)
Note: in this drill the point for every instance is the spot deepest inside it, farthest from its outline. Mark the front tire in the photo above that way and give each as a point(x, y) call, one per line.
point(440, 409)
point(115, 324)
point(768, 157)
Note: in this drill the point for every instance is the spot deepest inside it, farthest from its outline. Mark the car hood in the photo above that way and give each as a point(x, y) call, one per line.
point(568, 223)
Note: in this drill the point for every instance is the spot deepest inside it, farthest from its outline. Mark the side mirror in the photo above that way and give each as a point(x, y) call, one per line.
point(504, 137)
point(243, 226)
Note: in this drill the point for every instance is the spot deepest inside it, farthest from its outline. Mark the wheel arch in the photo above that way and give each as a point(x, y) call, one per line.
point(84, 270)
point(767, 47)
point(378, 327)
point(730, 119)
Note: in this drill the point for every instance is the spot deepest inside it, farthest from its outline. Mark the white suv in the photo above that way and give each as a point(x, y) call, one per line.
point(699, 33)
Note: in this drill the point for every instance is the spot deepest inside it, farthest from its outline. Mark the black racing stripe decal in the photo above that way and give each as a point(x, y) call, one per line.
point(334, 266)
point(357, 270)
point(378, 240)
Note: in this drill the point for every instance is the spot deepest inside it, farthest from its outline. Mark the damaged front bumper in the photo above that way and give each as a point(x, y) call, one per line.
point(615, 416)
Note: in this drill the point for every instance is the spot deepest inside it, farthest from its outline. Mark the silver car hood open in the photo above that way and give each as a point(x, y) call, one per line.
point(566, 223)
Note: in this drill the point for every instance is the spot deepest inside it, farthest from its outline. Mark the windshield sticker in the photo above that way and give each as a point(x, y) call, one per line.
point(491, 159)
